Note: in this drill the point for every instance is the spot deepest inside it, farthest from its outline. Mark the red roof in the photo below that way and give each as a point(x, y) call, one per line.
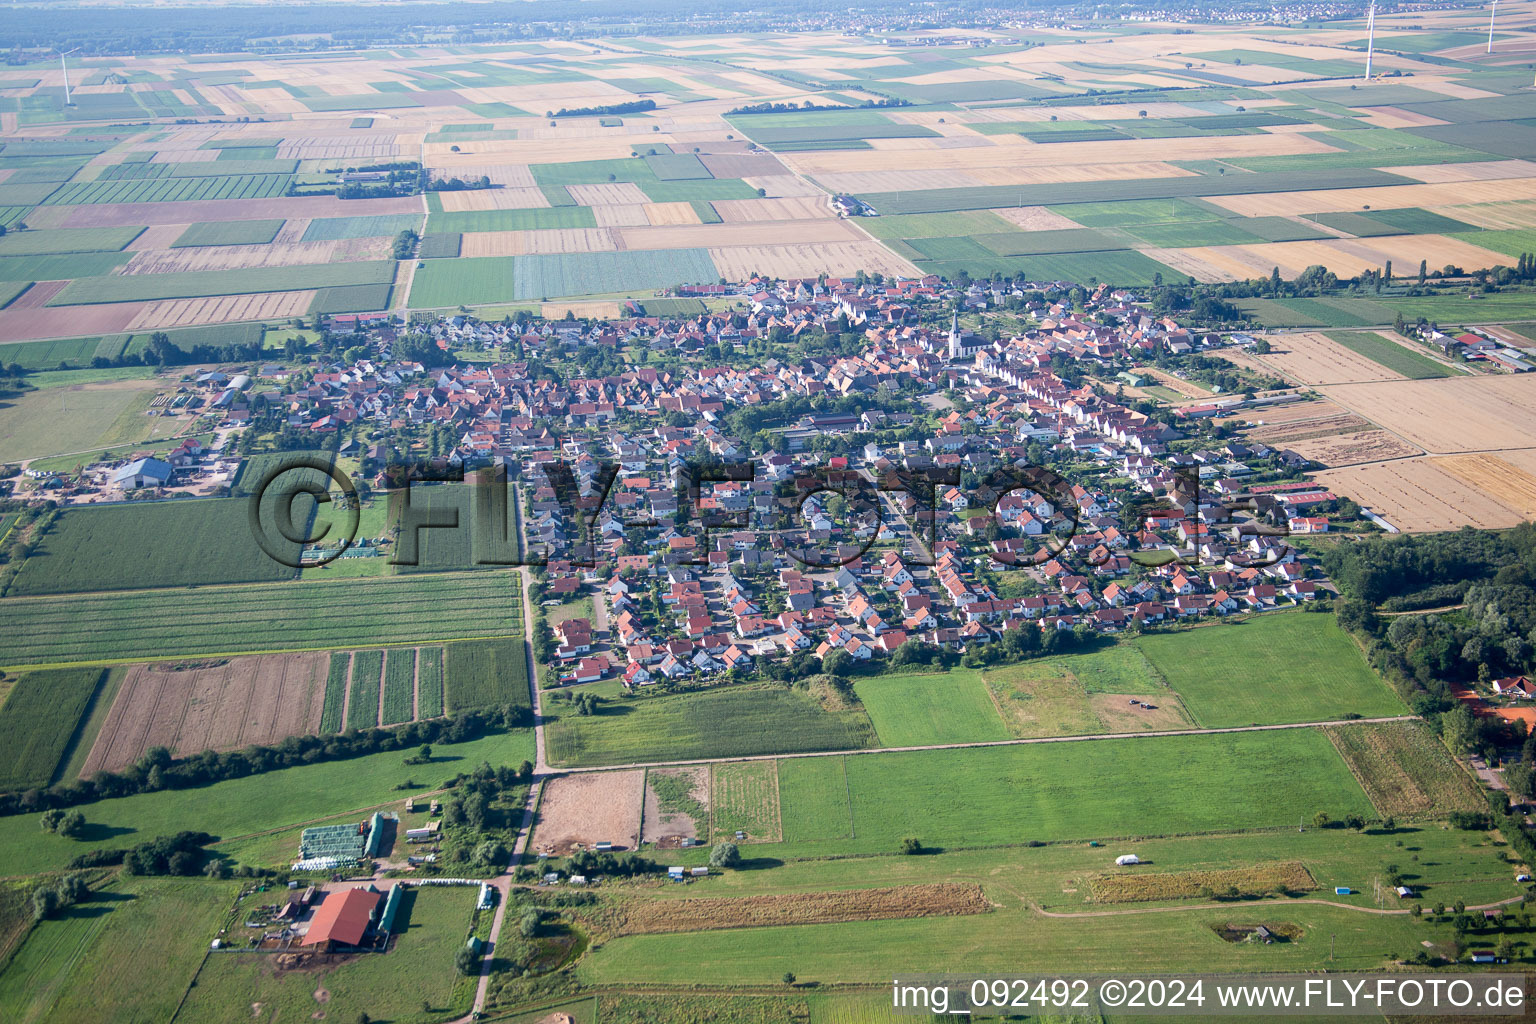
point(343, 917)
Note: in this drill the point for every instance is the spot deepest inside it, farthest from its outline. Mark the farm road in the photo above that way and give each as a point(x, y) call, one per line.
point(1227, 906)
point(982, 743)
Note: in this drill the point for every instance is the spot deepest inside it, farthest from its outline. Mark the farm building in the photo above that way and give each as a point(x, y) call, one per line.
point(149, 472)
point(341, 843)
point(342, 920)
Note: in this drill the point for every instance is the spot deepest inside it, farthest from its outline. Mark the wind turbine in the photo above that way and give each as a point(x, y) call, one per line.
point(1370, 39)
point(1491, 16)
point(65, 68)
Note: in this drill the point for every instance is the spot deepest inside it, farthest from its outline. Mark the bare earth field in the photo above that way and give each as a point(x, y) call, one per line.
point(1317, 359)
point(668, 828)
point(220, 706)
point(739, 263)
point(1451, 414)
point(1353, 449)
point(217, 309)
point(589, 809)
point(1419, 495)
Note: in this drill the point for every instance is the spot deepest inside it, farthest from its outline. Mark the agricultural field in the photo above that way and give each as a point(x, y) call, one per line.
point(363, 690)
point(1395, 357)
point(487, 673)
point(39, 724)
point(744, 797)
point(1274, 668)
point(63, 421)
point(1405, 771)
point(720, 723)
point(949, 707)
point(330, 614)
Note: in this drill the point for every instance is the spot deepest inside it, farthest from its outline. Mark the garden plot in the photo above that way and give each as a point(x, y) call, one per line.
point(676, 806)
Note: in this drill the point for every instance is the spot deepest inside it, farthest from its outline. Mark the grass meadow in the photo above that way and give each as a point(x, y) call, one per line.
point(736, 721)
point(38, 722)
point(1275, 668)
point(945, 707)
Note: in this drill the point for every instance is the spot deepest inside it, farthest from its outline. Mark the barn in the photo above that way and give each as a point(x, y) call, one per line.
point(149, 472)
point(342, 919)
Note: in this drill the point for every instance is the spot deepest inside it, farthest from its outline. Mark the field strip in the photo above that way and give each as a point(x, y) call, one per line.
point(556, 770)
point(276, 650)
point(1218, 906)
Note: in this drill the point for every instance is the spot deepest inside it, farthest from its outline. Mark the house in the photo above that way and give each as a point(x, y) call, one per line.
point(342, 919)
point(589, 670)
point(1518, 687)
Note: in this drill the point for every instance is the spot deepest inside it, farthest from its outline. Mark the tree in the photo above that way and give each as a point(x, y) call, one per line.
point(1423, 270)
point(45, 903)
point(467, 961)
point(724, 855)
point(49, 822)
point(533, 917)
point(789, 978)
point(911, 846)
point(1261, 346)
point(72, 825)
point(1321, 820)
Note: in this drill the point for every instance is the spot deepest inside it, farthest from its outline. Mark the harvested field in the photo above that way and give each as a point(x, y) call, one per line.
point(588, 809)
point(624, 216)
point(1317, 359)
point(216, 309)
point(20, 323)
point(755, 211)
point(1118, 714)
point(662, 214)
point(37, 296)
point(1496, 478)
point(1451, 414)
point(1405, 770)
point(676, 805)
point(1036, 218)
point(1190, 263)
point(1497, 217)
point(740, 263)
point(231, 257)
point(494, 199)
point(554, 240)
point(1418, 495)
point(1353, 449)
point(1288, 432)
point(704, 235)
point(939, 899)
point(223, 705)
point(743, 165)
point(1132, 886)
point(1383, 197)
point(613, 193)
point(161, 236)
point(492, 243)
point(599, 309)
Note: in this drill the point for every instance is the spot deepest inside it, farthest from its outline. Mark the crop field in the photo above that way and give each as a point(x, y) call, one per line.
point(38, 722)
point(1405, 769)
point(222, 704)
point(947, 707)
point(488, 673)
point(429, 675)
point(329, 614)
point(1325, 359)
point(67, 240)
point(769, 910)
point(1277, 667)
point(744, 797)
point(171, 190)
point(398, 701)
point(1452, 414)
point(174, 544)
point(363, 693)
point(720, 723)
point(1422, 494)
point(1135, 885)
point(231, 232)
point(339, 669)
point(511, 220)
point(327, 229)
point(55, 421)
point(1397, 358)
point(194, 284)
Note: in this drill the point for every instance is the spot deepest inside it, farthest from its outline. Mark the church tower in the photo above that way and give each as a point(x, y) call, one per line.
point(956, 351)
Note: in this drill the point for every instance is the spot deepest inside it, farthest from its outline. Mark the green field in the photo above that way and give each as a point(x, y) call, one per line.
point(329, 229)
point(64, 240)
point(440, 246)
point(59, 421)
point(429, 669)
point(1189, 235)
point(160, 544)
point(239, 618)
point(817, 788)
point(38, 722)
point(1035, 243)
point(717, 723)
point(1278, 667)
point(240, 808)
point(193, 284)
point(94, 964)
point(946, 707)
point(398, 701)
point(934, 225)
point(430, 928)
point(1395, 357)
point(697, 191)
point(1511, 242)
point(229, 232)
point(363, 695)
point(444, 283)
point(173, 190)
point(335, 692)
point(486, 673)
point(60, 266)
